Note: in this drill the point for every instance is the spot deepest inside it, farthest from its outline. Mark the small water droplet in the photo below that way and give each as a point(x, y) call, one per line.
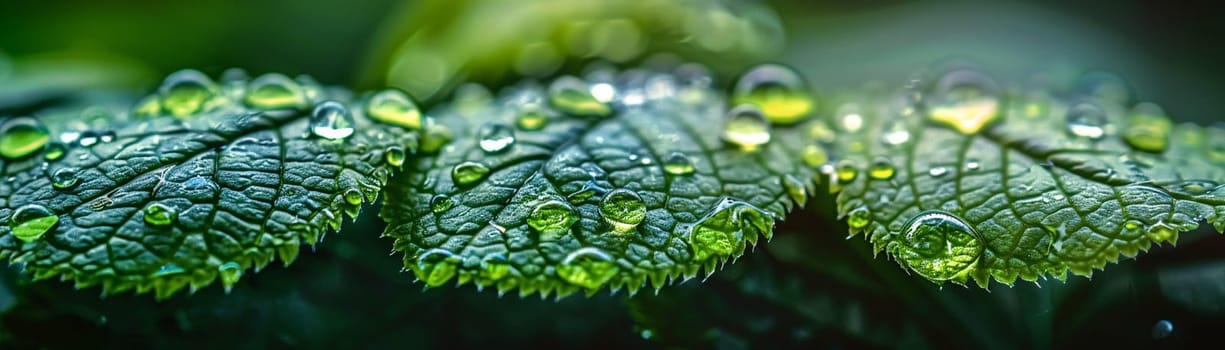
point(186, 92)
point(588, 267)
point(1087, 120)
point(22, 136)
point(1148, 128)
point(778, 91)
point(937, 171)
point(230, 273)
point(54, 151)
point(623, 209)
point(31, 221)
point(436, 267)
point(552, 219)
point(1163, 329)
point(394, 156)
point(353, 196)
point(846, 171)
point(468, 173)
point(965, 100)
point(158, 214)
point(495, 137)
point(746, 127)
point(440, 203)
point(859, 218)
point(531, 117)
point(678, 163)
point(569, 94)
point(850, 118)
point(973, 165)
point(64, 178)
point(396, 108)
point(881, 169)
point(939, 246)
point(331, 120)
point(275, 91)
point(895, 133)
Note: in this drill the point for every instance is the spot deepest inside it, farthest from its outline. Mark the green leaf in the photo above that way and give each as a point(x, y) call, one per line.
point(539, 191)
point(972, 182)
point(199, 181)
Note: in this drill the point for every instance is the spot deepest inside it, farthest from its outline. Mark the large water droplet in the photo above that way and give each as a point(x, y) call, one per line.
point(847, 171)
point(939, 246)
point(468, 173)
point(436, 267)
point(186, 92)
point(965, 100)
point(22, 136)
point(394, 156)
point(396, 108)
point(495, 137)
point(275, 91)
point(570, 95)
point(230, 273)
point(331, 120)
point(31, 221)
point(158, 214)
point(1087, 120)
point(724, 230)
point(64, 178)
point(623, 209)
point(353, 196)
point(777, 91)
point(881, 169)
point(678, 163)
point(552, 219)
point(1148, 128)
point(588, 267)
point(746, 127)
point(440, 203)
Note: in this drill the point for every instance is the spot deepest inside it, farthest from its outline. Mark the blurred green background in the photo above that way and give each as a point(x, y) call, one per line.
point(809, 288)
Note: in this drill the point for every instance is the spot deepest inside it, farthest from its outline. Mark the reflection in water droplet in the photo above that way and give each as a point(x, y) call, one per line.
point(186, 92)
point(746, 127)
point(331, 120)
point(881, 169)
point(22, 136)
point(776, 90)
point(937, 171)
point(552, 219)
point(353, 196)
point(1087, 120)
point(64, 178)
point(31, 221)
point(436, 267)
point(394, 156)
point(1148, 128)
point(965, 100)
point(440, 203)
point(230, 273)
point(531, 117)
point(846, 171)
point(158, 214)
point(623, 209)
point(468, 173)
point(394, 107)
point(939, 246)
point(588, 267)
point(54, 151)
point(678, 163)
point(859, 218)
point(569, 94)
point(275, 91)
point(495, 137)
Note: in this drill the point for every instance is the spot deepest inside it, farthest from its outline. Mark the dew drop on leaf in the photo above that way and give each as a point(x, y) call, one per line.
point(468, 173)
point(850, 119)
point(158, 214)
point(895, 133)
point(965, 100)
point(396, 108)
point(859, 218)
point(678, 163)
point(1087, 120)
point(531, 117)
point(230, 273)
point(939, 246)
point(937, 171)
point(623, 209)
point(54, 151)
point(495, 137)
point(569, 94)
point(1148, 128)
point(436, 266)
point(275, 91)
point(587, 267)
point(552, 219)
point(31, 221)
point(185, 92)
point(746, 127)
point(394, 156)
point(778, 91)
point(881, 169)
point(331, 120)
point(22, 136)
point(353, 196)
point(846, 171)
point(64, 178)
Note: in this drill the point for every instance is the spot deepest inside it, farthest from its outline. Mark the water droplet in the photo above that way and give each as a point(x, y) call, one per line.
point(230, 273)
point(275, 91)
point(353, 196)
point(776, 90)
point(746, 127)
point(847, 171)
point(468, 173)
point(331, 120)
point(937, 171)
point(54, 151)
point(31, 221)
point(158, 214)
point(436, 267)
point(1162, 329)
point(89, 138)
point(496, 137)
point(531, 117)
point(859, 218)
point(1088, 120)
point(552, 219)
point(435, 136)
point(850, 118)
point(22, 136)
point(881, 169)
point(939, 246)
point(895, 133)
point(441, 203)
point(814, 156)
point(394, 156)
point(623, 209)
point(724, 230)
point(64, 178)
point(394, 107)
point(973, 166)
point(570, 95)
point(965, 100)
point(795, 190)
point(186, 92)
point(1148, 128)
point(588, 267)
point(678, 163)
